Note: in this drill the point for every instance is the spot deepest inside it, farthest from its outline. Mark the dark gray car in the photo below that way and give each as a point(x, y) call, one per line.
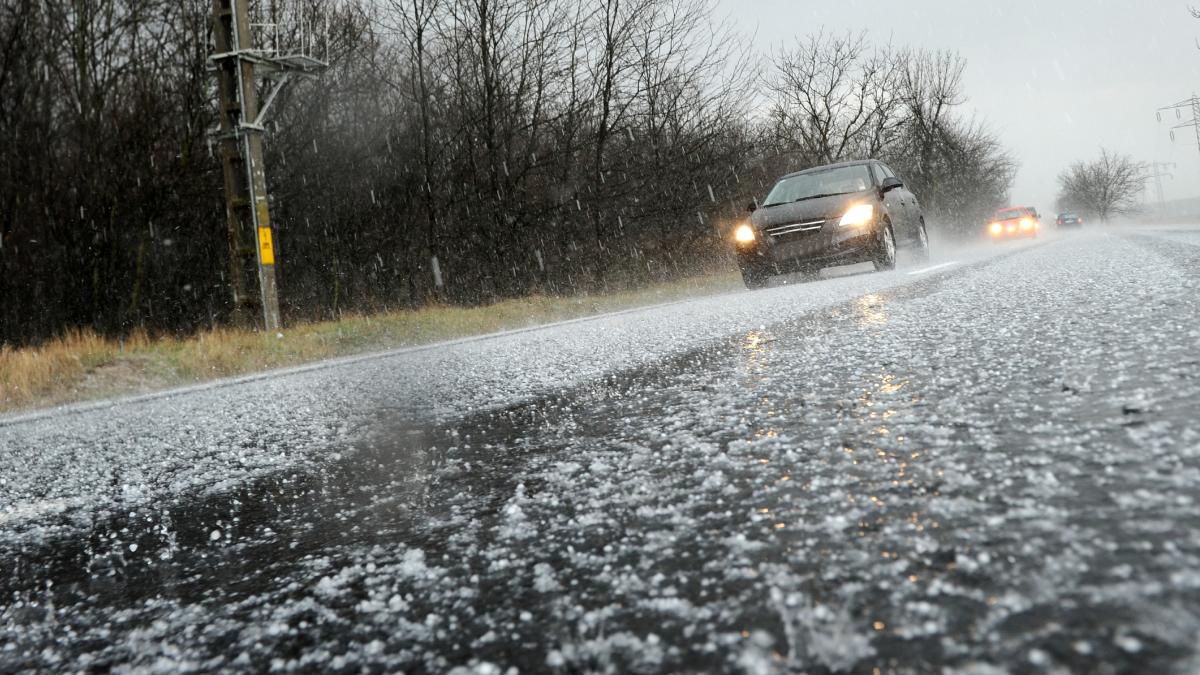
point(830, 215)
point(1069, 220)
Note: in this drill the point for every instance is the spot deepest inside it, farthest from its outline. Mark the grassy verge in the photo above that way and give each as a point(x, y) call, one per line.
point(81, 365)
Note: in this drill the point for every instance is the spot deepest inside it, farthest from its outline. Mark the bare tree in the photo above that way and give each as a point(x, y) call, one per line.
point(964, 178)
point(834, 96)
point(837, 97)
point(1106, 187)
point(958, 166)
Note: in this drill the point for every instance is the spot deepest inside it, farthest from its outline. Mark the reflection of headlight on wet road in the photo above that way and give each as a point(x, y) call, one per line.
point(744, 234)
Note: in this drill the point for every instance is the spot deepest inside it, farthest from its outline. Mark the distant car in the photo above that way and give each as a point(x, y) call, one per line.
point(1015, 222)
point(1069, 220)
point(830, 215)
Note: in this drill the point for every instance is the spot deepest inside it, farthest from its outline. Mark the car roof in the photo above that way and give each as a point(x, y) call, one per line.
point(824, 167)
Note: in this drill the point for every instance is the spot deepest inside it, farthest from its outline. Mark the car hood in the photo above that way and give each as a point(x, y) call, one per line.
point(823, 208)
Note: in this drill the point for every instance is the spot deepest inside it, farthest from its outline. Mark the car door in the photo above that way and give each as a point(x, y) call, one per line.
point(914, 212)
point(896, 202)
point(912, 207)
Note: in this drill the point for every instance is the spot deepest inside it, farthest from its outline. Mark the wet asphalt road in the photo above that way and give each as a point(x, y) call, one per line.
point(991, 466)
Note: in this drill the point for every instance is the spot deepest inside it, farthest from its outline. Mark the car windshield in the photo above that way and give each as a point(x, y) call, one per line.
point(837, 181)
point(1010, 214)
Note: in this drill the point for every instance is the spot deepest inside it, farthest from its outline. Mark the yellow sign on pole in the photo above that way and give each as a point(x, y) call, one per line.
point(266, 248)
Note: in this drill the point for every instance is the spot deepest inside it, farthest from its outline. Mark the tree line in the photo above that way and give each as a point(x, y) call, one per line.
point(455, 151)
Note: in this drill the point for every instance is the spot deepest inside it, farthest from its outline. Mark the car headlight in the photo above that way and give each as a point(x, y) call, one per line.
point(1026, 224)
point(744, 234)
point(996, 228)
point(859, 215)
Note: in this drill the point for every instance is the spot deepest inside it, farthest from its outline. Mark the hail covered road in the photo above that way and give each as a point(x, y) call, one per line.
point(989, 463)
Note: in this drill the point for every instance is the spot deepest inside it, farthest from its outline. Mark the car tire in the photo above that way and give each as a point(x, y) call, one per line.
point(921, 249)
point(756, 277)
point(885, 248)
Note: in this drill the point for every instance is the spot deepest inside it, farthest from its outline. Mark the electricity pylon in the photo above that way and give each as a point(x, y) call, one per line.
point(1192, 104)
point(1159, 171)
point(247, 209)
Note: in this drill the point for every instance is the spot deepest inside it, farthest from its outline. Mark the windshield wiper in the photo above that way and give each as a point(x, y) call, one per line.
point(827, 194)
point(803, 199)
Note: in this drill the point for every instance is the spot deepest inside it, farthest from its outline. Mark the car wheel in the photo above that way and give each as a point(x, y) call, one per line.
point(921, 250)
point(755, 277)
point(885, 251)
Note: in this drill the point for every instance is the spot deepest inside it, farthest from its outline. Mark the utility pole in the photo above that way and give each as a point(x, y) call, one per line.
point(1159, 171)
point(1191, 104)
point(247, 211)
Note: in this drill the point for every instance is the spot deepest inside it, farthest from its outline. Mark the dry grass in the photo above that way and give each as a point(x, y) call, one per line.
point(43, 373)
point(81, 365)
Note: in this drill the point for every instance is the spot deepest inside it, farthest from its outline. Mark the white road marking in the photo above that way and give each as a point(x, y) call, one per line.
point(933, 269)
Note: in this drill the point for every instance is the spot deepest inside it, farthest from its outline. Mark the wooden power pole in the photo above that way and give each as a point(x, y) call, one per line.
point(251, 237)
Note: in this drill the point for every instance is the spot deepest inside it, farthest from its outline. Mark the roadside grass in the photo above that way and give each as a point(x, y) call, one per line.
point(81, 365)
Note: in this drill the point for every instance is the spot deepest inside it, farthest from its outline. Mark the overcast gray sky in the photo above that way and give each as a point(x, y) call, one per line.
point(1055, 78)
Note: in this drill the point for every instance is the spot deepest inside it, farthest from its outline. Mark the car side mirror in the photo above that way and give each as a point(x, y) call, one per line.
point(890, 183)
point(752, 207)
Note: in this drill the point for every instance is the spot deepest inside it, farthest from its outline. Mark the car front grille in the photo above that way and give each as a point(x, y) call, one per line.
point(795, 228)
